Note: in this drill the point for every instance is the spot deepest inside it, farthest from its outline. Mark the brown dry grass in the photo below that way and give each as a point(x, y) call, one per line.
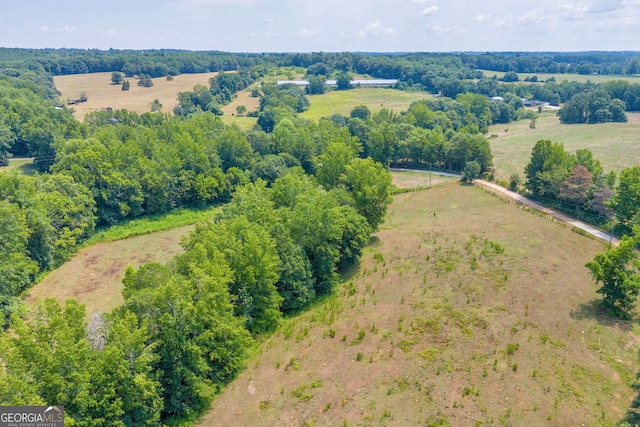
point(94, 276)
point(101, 93)
point(420, 332)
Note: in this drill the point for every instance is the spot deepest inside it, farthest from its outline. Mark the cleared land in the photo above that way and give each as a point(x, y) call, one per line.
point(582, 78)
point(409, 179)
point(23, 165)
point(343, 101)
point(101, 93)
point(94, 276)
point(463, 310)
point(616, 145)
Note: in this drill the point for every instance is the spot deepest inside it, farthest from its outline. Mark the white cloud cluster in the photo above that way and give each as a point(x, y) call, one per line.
point(376, 29)
point(429, 10)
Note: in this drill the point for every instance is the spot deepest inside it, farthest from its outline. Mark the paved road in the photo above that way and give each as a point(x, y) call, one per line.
point(521, 199)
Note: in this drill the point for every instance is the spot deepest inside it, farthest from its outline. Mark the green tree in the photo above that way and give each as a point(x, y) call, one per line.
point(618, 270)
point(251, 254)
point(626, 200)
point(471, 171)
point(241, 110)
point(332, 163)
point(7, 139)
point(316, 85)
point(370, 185)
point(343, 81)
point(126, 85)
point(155, 105)
point(16, 268)
point(116, 78)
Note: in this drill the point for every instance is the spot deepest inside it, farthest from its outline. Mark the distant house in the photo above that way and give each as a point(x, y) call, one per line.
point(360, 83)
point(497, 98)
point(534, 103)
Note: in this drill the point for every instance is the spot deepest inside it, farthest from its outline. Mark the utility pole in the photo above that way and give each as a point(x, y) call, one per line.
point(613, 224)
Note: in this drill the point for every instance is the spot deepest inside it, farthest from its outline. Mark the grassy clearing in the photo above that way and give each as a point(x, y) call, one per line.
point(94, 275)
point(23, 165)
point(464, 310)
point(616, 145)
point(419, 180)
point(342, 102)
point(101, 93)
point(152, 224)
point(582, 78)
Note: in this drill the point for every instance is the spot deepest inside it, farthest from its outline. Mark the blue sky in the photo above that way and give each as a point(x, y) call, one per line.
point(324, 25)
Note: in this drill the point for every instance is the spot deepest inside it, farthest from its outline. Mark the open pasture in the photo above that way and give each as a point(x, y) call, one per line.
point(343, 101)
point(101, 93)
point(581, 78)
point(616, 145)
point(464, 310)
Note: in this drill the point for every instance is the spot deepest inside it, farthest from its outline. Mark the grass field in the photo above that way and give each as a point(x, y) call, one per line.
point(464, 311)
point(94, 275)
point(616, 145)
point(23, 165)
point(342, 102)
point(101, 93)
point(582, 78)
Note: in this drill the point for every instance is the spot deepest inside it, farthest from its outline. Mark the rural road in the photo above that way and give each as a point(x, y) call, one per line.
point(521, 199)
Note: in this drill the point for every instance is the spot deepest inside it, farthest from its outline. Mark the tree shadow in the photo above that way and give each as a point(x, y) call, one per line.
point(594, 310)
point(349, 272)
point(373, 241)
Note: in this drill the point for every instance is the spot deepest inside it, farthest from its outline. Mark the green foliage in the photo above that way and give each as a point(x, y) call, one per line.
point(593, 107)
point(618, 270)
point(626, 200)
point(471, 171)
point(370, 185)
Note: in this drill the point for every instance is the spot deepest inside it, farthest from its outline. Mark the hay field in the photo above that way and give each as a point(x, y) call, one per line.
point(582, 78)
point(343, 101)
point(465, 310)
point(616, 145)
point(101, 93)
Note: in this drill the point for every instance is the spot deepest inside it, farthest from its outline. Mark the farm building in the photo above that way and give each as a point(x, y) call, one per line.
point(361, 83)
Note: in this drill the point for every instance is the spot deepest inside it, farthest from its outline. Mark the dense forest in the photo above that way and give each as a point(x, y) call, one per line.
point(301, 200)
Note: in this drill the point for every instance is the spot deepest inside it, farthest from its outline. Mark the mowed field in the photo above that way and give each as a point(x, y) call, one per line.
point(616, 145)
point(342, 102)
point(101, 93)
point(94, 275)
point(464, 310)
point(582, 78)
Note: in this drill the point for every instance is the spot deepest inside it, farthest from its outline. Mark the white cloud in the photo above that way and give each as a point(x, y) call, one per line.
point(481, 18)
point(419, 1)
point(189, 4)
point(111, 33)
point(376, 29)
point(66, 29)
point(43, 29)
point(429, 10)
point(436, 28)
point(531, 17)
point(308, 33)
point(269, 20)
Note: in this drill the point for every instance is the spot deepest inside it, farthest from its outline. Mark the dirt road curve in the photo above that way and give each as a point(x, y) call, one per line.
point(521, 199)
